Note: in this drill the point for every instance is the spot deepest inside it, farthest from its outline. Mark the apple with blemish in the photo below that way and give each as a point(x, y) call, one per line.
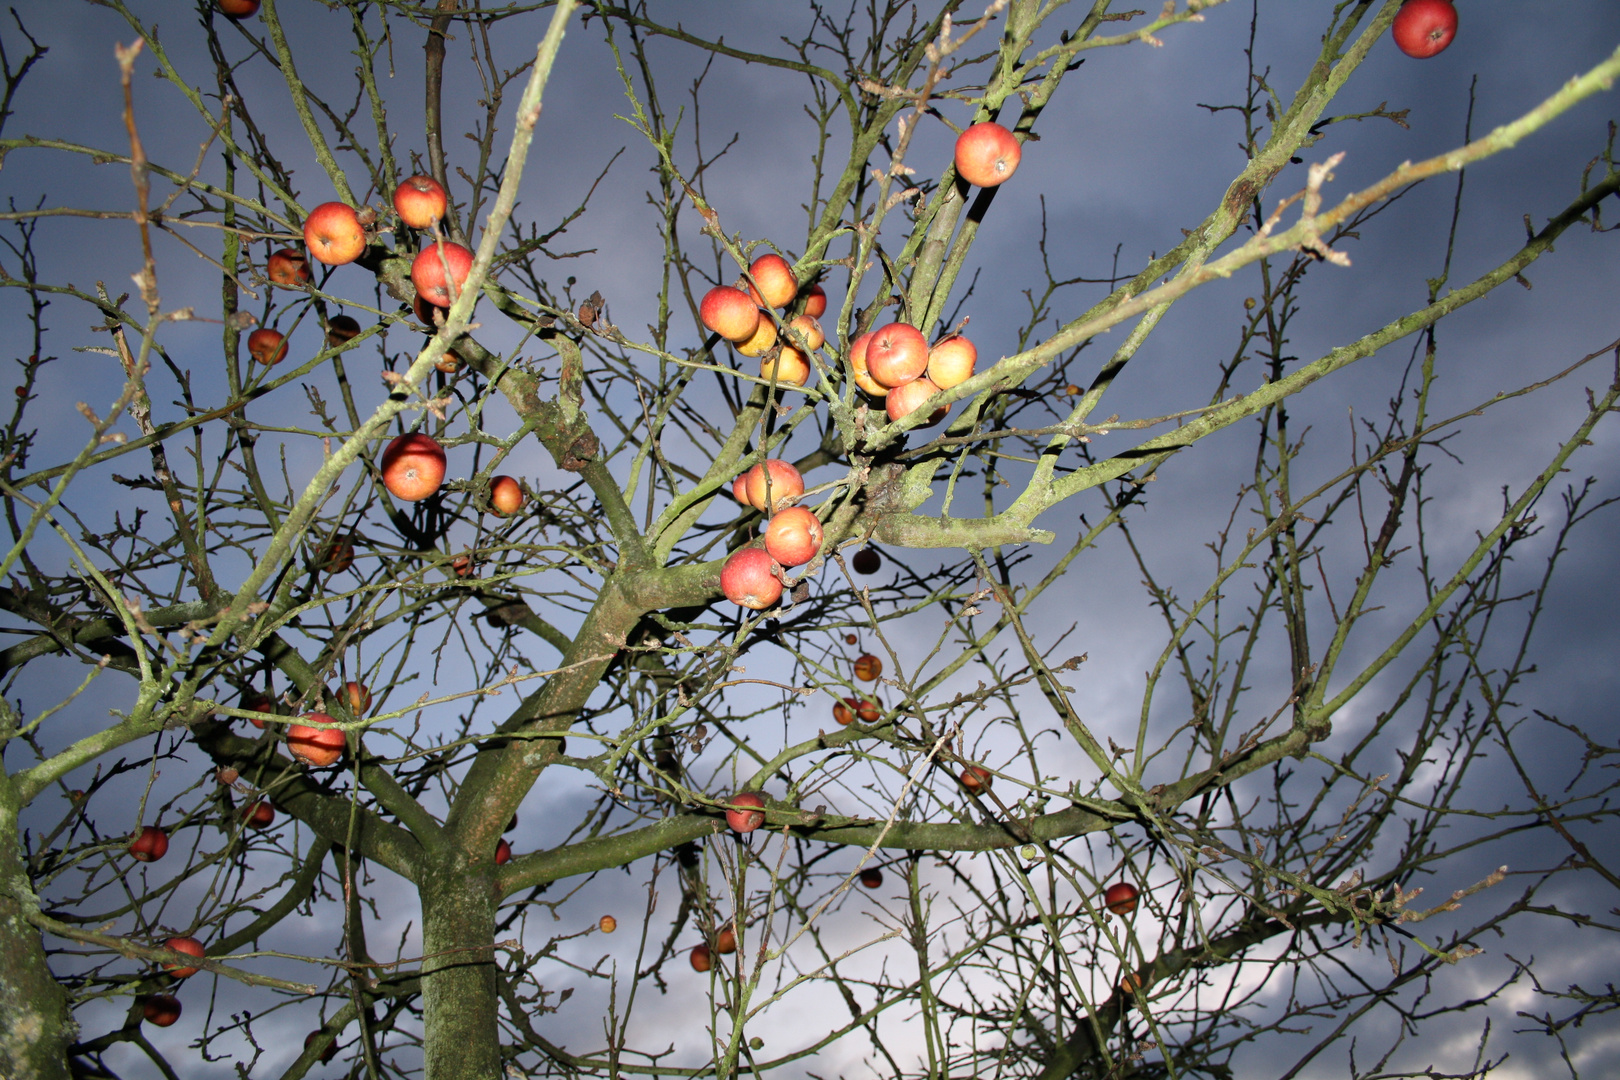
point(287, 267)
point(607, 924)
point(267, 346)
point(150, 844)
point(868, 667)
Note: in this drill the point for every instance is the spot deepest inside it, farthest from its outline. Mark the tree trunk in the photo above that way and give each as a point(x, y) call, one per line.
point(459, 999)
point(35, 1026)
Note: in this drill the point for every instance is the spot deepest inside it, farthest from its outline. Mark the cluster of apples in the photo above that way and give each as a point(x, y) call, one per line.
point(742, 314)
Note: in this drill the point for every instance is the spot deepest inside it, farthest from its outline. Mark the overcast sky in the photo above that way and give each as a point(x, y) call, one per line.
point(1128, 158)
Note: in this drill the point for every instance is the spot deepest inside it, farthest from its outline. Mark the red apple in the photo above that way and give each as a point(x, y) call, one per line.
point(762, 340)
point(773, 484)
point(987, 154)
point(258, 703)
point(746, 821)
point(725, 942)
point(776, 285)
point(267, 346)
point(857, 362)
point(337, 557)
point(866, 561)
point(150, 844)
point(789, 367)
point(333, 234)
point(868, 667)
point(896, 354)
point(750, 578)
point(163, 1010)
point(976, 778)
point(331, 1046)
point(951, 361)
point(815, 304)
point(316, 747)
point(428, 272)
point(413, 467)
point(739, 490)
point(503, 853)
point(1120, 898)
point(341, 328)
point(1424, 28)
point(357, 697)
point(608, 924)
point(258, 815)
point(793, 536)
point(228, 776)
point(905, 400)
point(188, 945)
point(287, 267)
point(850, 639)
point(505, 496)
point(420, 201)
point(846, 711)
point(729, 312)
point(237, 9)
point(871, 877)
point(701, 960)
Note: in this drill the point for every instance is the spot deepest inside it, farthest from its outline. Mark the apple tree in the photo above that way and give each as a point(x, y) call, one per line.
point(1118, 713)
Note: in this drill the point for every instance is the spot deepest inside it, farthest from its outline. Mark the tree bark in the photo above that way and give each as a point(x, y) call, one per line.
point(459, 997)
point(35, 1026)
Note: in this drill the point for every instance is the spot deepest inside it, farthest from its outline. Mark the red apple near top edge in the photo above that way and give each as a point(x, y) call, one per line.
point(413, 467)
point(746, 821)
point(420, 201)
point(428, 272)
point(237, 9)
point(896, 354)
point(333, 234)
point(987, 154)
point(1424, 28)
